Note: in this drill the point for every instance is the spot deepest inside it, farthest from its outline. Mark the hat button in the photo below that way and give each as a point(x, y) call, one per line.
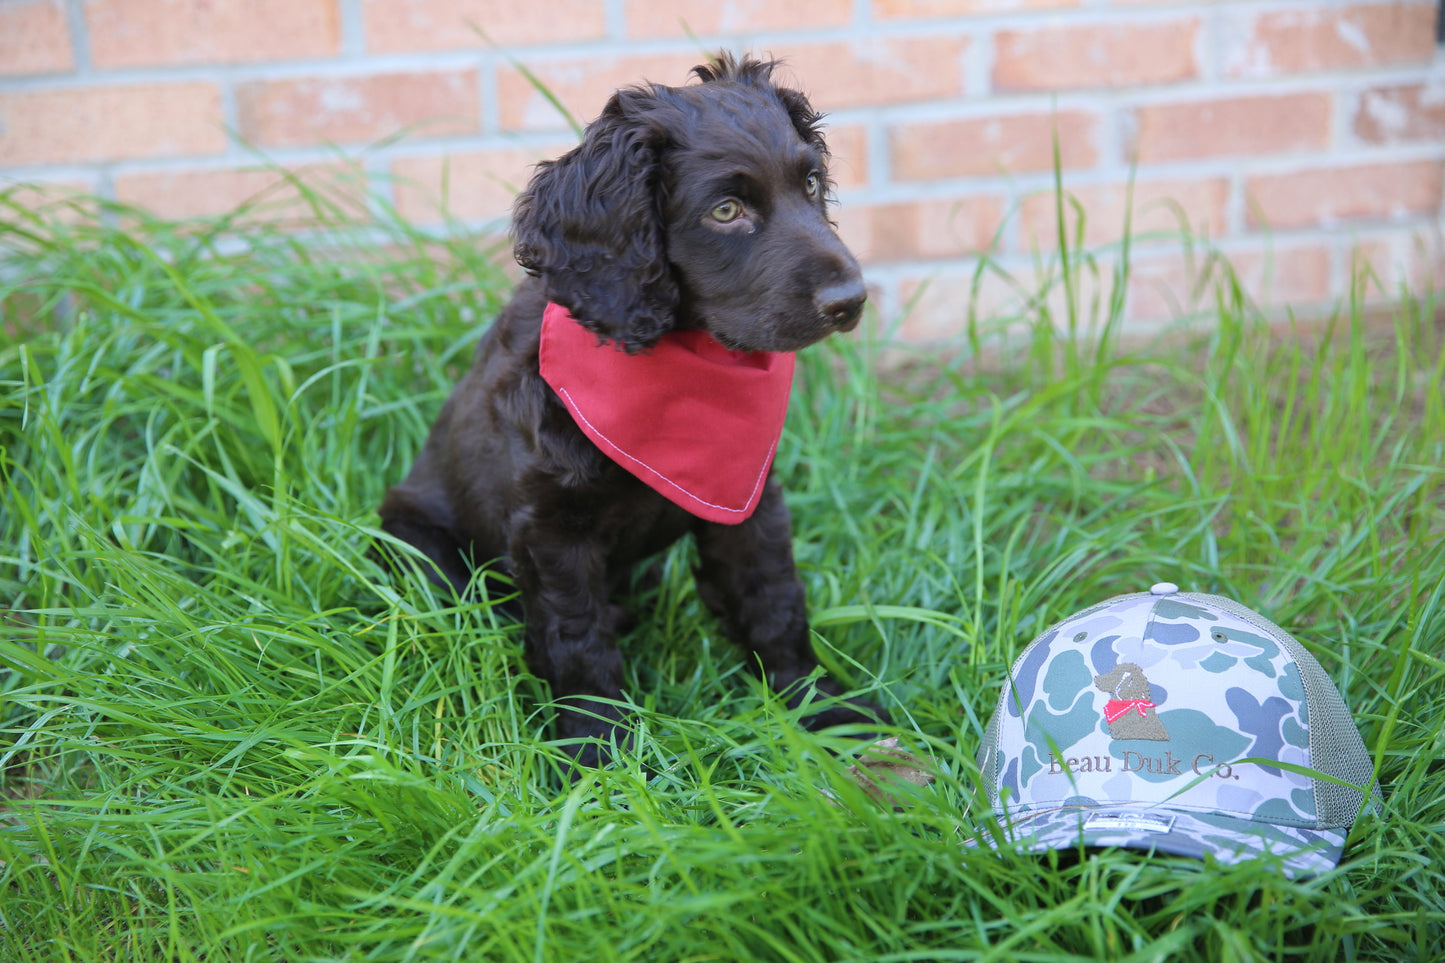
point(1163, 588)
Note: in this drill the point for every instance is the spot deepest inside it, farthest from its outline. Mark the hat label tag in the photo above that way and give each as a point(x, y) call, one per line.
point(1128, 823)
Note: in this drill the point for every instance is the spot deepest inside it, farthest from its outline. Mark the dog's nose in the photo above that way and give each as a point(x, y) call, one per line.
point(842, 303)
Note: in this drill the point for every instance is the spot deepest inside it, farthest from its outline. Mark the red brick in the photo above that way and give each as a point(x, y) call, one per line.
point(1421, 265)
point(68, 200)
point(1096, 55)
point(848, 143)
point(938, 304)
point(946, 227)
point(1393, 115)
point(1167, 287)
point(91, 124)
point(581, 85)
point(680, 18)
point(1009, 143)
point(358, 109)
point(1394, 260)
point(34, 38)
point(1320, 37)
point(883, 71)
point(834, 75)
point(1286, 274)
point(854, 222)
point(1383, 265)
point(410, 25)
point(925, 9)
point(143, 33)
point(1159, 208)
point(1325, 197)
point(470, 186)
point(1240, 125)
point(1006, 298)
point(186, 194)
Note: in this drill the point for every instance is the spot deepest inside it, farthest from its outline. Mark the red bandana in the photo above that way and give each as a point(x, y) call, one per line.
point(696, 422)
point(1115, 708)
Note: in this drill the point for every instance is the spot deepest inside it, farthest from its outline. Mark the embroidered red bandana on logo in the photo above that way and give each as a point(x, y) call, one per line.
point(1115, 708)
point(696, 422)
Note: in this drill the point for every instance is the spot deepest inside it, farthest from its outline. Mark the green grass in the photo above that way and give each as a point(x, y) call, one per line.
point(227, 735)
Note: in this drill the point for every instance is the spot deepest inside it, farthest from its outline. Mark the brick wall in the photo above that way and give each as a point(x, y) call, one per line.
point(1300, 137)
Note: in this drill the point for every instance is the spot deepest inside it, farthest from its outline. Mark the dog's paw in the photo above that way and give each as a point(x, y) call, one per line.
point(847, 712)
point(592, 740)
point(852, 712)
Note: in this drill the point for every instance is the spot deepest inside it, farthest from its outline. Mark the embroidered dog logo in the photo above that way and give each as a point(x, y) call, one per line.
point(1129, 712)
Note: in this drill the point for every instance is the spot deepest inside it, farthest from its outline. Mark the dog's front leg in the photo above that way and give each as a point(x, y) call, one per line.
point(570, 635)
point(747, 578)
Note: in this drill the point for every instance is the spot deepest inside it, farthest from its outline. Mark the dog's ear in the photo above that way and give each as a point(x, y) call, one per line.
point(807, 121)
point(590, 226)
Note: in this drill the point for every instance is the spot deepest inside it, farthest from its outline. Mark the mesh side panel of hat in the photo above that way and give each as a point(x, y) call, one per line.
point(1335, 744)
point(988, 753)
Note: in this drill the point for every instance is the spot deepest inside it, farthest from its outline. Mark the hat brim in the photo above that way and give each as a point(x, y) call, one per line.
point(1229, 839)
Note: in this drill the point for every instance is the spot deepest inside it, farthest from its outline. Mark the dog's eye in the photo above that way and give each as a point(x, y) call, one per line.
point(813, 184)
point(729, 210)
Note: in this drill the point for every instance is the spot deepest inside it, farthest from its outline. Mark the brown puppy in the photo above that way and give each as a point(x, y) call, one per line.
point(686, 212)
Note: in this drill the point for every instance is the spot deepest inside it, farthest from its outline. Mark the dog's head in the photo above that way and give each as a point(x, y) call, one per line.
point(1125, 681)
point(702, 206)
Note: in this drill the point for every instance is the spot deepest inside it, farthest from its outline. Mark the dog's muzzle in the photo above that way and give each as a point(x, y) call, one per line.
point(841, 304)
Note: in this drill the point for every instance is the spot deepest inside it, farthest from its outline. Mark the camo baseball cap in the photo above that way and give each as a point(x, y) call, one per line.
point(1176, 722)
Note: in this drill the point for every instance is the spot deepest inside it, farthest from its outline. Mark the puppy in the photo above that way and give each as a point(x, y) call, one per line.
point(633, 391)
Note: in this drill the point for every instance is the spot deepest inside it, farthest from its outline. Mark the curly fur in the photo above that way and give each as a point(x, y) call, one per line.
point(624, 231)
